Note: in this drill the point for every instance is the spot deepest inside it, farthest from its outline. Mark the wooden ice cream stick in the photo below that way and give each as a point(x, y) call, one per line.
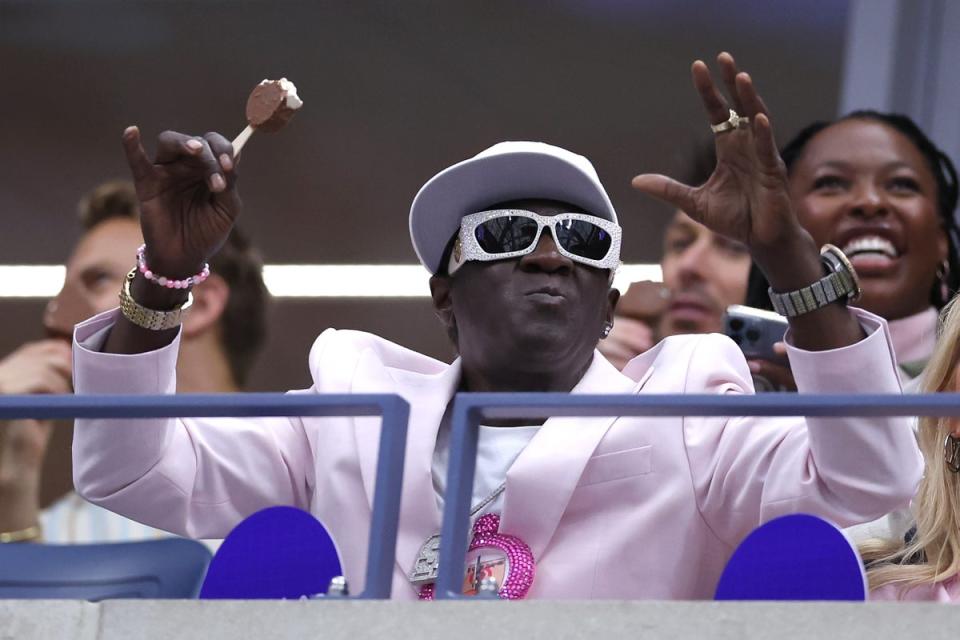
point(241, 140)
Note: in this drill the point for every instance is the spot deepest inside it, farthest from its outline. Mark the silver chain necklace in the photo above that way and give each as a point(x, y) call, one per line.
point(426, 565)
point(490, 498)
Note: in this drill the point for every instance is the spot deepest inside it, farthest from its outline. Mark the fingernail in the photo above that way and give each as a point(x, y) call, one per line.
point(754, 366)
point(226, 162)
point(194, 145)
point(217, 183)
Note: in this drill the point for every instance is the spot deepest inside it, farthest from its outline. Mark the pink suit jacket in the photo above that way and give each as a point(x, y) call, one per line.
point(611, 507)
point(945, 592)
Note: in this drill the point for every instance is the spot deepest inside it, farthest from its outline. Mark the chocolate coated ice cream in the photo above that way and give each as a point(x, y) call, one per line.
point(271, 104)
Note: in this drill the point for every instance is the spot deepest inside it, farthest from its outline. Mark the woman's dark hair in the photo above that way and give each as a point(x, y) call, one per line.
point(940, 166)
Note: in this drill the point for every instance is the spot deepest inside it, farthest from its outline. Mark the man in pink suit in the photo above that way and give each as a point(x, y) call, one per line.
point(521, 241)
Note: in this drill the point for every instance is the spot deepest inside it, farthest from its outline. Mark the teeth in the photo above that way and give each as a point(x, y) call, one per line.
point(870, 244)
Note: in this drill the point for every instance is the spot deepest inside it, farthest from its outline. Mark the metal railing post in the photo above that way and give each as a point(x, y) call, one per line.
point(394, 412)
point(470, 408)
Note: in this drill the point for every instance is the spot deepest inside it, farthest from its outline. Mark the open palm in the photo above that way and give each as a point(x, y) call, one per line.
point(746, 197)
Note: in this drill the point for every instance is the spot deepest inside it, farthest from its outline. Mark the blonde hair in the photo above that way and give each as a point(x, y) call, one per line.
point(933, 554)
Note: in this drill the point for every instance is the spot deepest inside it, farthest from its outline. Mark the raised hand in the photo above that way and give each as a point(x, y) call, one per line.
point(188, 204)
point(746, 198)
point(38, 367)
point(188, 198)
point(779, 377)
point(628, 339)
point(634, 326)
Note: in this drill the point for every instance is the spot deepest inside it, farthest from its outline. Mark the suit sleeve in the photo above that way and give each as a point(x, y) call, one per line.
point(747, 471)
point(193, 477)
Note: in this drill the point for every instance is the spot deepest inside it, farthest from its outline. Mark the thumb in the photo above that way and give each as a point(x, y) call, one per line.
point(668, 190)
point(140, 165)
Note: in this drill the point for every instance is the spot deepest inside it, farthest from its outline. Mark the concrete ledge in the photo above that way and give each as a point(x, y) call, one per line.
point(49, 619)
point(229, 620)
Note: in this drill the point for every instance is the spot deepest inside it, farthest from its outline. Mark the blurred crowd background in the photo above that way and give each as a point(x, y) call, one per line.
point(393, 92)
point(396, 91)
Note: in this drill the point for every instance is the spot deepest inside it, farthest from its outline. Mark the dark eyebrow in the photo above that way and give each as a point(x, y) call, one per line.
point(96, 267)
point(680, 225)
point(845, 166)
point(899, 164)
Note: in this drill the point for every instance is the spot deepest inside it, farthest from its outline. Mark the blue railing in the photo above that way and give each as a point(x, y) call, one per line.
point(469, 409)
point(393, 410)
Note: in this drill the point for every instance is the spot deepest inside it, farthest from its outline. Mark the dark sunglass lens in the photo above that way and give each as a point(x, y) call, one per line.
point(506, 234)
point(582, 238)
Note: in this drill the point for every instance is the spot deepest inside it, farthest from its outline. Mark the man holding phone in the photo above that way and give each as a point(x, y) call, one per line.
point(703, 274)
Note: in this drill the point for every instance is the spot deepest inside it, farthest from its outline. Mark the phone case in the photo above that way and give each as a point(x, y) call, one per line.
point(755, 331)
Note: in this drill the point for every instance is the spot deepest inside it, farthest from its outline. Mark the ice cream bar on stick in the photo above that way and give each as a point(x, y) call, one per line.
point(270, 106)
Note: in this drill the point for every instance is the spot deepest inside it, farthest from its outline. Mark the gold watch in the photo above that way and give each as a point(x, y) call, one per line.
point(150, 318)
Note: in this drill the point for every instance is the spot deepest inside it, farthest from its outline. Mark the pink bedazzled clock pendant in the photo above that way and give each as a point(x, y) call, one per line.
point(519, 568)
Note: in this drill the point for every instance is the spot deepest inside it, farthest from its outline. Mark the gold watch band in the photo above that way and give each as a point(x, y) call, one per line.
point(30, 534)
point(150, 318)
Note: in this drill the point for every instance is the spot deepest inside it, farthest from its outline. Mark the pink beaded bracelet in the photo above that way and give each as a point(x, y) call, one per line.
point(169, 283)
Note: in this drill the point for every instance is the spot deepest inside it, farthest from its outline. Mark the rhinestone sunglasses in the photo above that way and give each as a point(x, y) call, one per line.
point(500, 234)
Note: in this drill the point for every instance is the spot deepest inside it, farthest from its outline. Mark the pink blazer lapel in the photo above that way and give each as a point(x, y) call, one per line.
point(428, 396)
point(542, 480)
point(641, 367)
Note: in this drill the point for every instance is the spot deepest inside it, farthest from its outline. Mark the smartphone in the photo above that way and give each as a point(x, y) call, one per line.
point(755, 331)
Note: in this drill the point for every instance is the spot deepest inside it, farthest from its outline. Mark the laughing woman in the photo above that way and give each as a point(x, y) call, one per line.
point(877, 187)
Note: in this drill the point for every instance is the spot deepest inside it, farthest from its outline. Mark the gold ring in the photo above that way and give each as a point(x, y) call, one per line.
point(733, 122)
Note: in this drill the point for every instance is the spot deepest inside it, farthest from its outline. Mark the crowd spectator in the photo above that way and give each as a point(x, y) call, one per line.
point(220, 342)
point(925, 563)
point(876, 186)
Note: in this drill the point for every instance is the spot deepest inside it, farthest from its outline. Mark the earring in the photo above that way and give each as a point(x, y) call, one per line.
point(951, 453)
point(607, 328)
point(942, 272)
